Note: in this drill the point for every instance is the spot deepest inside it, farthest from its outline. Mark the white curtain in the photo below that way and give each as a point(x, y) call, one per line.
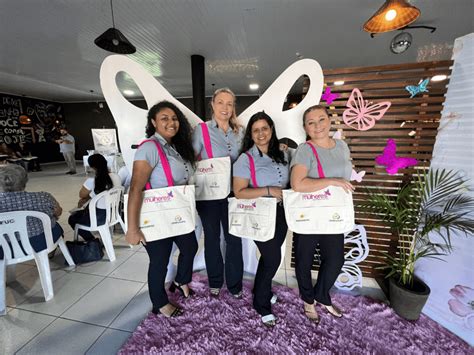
point(451, 302)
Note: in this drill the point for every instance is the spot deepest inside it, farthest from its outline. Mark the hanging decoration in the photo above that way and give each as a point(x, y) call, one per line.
point(416, 89)
point(361, 115)
point(390, 160)
point(328, 96)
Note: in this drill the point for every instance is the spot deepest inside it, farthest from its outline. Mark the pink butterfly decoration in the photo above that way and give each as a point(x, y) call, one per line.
point(390, 160)
point(357, 176)
point(327, 193)
point(328, 96)
point(361, 115)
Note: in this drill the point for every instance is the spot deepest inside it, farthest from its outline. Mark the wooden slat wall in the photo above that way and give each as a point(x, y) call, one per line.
point(420, 114)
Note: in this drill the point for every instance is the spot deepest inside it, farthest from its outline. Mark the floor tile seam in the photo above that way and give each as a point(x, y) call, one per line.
point(41, 288)
point(95, 341)
point(123, 309)
point(37, 334)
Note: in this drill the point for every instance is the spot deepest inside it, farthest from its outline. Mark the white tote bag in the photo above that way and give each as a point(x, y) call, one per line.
point(168, 211)
point(327, 211)
point(212, 176)
point(253, 218)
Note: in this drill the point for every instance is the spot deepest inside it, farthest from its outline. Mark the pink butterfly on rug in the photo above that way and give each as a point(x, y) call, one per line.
point(361, 115)
point(390, 160)
point(328, 96)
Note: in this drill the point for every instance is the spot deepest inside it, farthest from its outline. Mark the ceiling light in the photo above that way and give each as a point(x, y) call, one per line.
point(339, 82)
point(438, 78)
point(129, 92)
point(113, 40)
point(392, 15)
point(254, 86)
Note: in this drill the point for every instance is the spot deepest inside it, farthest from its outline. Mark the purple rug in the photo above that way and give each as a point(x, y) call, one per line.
point(228, 325)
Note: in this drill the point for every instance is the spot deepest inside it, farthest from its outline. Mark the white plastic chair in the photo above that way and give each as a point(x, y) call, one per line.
point(112, 206)
point(14, 223)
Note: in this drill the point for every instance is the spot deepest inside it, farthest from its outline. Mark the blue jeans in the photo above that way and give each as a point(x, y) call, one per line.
point(38, 242)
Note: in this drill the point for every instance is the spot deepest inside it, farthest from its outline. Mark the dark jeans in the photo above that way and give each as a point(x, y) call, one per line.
point(159, 253)
point(268, 263)
point(38, 242)
point(214, 214)
point(82, 217)
point(331, 250)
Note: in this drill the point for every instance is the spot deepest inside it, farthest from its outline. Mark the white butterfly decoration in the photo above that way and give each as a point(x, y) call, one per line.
point(131, 120)
point(355, 176)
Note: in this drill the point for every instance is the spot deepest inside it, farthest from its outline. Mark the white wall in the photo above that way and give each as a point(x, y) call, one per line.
point(451, 302)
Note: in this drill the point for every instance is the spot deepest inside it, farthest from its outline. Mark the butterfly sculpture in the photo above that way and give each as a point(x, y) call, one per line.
point(390, 160)
point(328, 96)
point(416, 89)
point(355, 176)
point(360, 114)
point(130, 119)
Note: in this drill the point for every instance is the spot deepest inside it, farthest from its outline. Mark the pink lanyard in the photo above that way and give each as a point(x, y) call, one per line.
point(164, 163)
point(253, 176)
point(207, 140)
point(320, 167)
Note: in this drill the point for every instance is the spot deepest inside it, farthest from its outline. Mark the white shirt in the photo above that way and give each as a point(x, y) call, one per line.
point(89, 184)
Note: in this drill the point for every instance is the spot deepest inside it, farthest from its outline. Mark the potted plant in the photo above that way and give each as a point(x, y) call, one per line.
point(431, 206)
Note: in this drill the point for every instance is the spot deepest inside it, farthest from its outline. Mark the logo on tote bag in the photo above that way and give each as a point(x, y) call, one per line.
point(206, 170)
point(158, 199)
point(178, 220)
point(323, 196)
point(247, 207)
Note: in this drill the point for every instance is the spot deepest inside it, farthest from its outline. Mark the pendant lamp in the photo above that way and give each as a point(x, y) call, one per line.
point(113, 40)
point(393, 14)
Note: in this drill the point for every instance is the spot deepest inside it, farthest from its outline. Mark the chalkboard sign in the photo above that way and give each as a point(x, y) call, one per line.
point(26, 120)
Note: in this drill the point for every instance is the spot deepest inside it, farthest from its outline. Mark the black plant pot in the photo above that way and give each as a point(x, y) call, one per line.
point(408, 303)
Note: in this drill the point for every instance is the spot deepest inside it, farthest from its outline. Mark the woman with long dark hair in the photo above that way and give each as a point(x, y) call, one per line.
point(225, 135)
point(168, 127)
point(102, 180)
point(334, 157)
point(272, 175)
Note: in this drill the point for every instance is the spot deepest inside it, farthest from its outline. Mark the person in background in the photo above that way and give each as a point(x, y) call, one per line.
point(271, 175)
point(334, 156)
point(169, 128)
point(103, 180)
point(27, 160)
point(226, 136)
point(13, 197)
point(67, 147)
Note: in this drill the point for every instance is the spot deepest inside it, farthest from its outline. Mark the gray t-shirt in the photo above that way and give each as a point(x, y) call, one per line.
point(181, 170)
point(267, 171)
point(65, 147)
point(335, 161)
point(223, 144)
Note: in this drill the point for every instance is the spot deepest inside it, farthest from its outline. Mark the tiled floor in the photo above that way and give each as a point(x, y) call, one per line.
point(96, 306)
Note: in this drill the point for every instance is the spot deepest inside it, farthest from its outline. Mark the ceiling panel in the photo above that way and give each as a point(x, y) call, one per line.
point(47, 47)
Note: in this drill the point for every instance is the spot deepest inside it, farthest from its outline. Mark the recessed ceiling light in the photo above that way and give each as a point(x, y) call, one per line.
point(339, 82)
point(254, 86)
point(129, 92)
point(438, 78)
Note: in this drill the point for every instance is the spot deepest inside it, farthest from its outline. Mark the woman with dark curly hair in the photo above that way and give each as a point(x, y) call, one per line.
point(168, 127)
point(261, 149)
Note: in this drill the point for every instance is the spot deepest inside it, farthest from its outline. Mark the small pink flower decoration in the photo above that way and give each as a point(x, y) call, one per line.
point(463, 304)
point(361, 115)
